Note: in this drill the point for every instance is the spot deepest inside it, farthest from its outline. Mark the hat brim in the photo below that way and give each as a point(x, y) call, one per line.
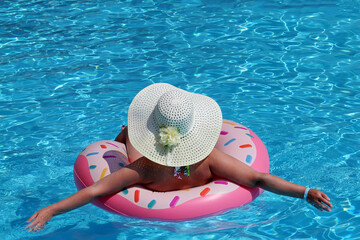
point(193, 147)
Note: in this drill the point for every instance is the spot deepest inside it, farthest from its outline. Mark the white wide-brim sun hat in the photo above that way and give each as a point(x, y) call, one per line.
point(158, 110)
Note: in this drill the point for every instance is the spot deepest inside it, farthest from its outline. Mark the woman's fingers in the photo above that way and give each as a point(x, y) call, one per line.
point(31, 225)
point(38, 220)
point(35, 226)
point(326, 202)
point(319, 200)
point(322, 205)
point(325, 199)
point(38, 227)
point(325, 196)
point(33, 217)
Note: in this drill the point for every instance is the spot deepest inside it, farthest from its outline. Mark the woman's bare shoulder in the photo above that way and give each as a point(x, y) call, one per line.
point(226, 166)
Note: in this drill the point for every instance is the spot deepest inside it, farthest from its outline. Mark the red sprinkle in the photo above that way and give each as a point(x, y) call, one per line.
point(103, 146)
point(137, 196)
point(245, 146)
point(204, 192)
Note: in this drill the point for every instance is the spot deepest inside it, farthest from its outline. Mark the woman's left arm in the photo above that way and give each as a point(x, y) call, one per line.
point(280, 186)
point(228, 167)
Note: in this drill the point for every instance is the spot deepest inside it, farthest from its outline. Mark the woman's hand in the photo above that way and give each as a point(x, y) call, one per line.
point(319, 200)
point(39, 219)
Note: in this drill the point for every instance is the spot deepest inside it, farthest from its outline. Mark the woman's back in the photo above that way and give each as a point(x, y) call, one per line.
point(162, 178)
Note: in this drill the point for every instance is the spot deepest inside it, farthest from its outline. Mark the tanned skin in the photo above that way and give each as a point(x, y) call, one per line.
point(153, 176)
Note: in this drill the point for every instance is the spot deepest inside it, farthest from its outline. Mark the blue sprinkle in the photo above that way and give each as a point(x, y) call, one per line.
point(151, 204)
point(94, 153)
point(250, 135)
point(121, 164)
point(92, 167)
point(125, 191)
point(248, 158)
point(230, 141)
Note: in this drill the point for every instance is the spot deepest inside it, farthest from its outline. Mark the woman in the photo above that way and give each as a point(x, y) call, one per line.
point(169, 128)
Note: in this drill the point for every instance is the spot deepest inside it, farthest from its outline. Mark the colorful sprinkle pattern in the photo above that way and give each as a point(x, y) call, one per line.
point(233, 136)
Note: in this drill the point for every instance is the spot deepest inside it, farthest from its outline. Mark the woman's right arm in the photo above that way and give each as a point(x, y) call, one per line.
point(41, 217)
point(122, 135)
point(110, 184)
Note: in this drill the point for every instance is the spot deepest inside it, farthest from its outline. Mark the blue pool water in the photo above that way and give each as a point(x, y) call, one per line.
point(289, 70)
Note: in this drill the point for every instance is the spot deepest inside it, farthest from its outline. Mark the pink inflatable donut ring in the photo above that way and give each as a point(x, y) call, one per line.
point(104, 157)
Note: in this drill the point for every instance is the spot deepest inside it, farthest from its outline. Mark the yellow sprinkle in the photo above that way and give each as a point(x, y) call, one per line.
point(229, 123)
point(103, 173)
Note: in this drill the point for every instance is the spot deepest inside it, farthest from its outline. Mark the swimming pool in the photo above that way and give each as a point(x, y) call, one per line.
point(289, 70)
